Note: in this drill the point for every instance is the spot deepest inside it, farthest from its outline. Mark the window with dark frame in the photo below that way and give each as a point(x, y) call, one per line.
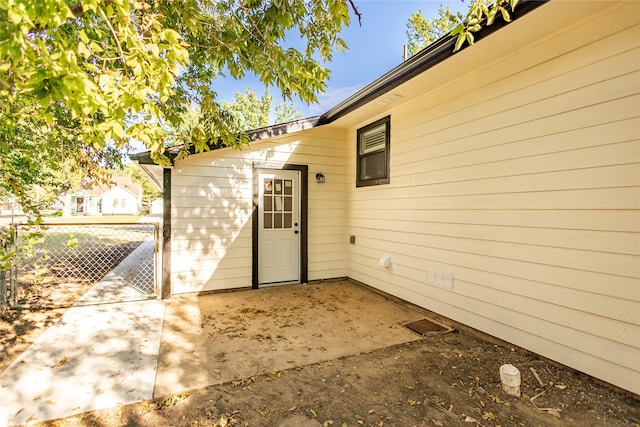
point(373, 153)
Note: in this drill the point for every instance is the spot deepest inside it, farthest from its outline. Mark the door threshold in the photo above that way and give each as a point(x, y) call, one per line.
point(269, 285)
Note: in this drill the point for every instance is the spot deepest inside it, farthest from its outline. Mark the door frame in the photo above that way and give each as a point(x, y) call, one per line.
point(255, 224)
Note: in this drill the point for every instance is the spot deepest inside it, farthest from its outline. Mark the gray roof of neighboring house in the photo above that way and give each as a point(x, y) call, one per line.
point(430, 56)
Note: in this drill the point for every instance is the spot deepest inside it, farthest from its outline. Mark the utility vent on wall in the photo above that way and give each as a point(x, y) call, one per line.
point(389, 99)
point(440, 278)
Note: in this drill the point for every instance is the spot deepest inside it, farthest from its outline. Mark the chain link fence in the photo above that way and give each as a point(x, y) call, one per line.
point(67, 264)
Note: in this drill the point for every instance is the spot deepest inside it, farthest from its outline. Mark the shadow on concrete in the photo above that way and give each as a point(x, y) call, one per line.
point(222, 337)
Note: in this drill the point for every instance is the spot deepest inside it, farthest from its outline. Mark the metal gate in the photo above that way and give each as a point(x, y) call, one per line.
point(84, 263)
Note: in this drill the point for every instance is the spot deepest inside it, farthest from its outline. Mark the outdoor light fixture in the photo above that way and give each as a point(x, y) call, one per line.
point(320, 178)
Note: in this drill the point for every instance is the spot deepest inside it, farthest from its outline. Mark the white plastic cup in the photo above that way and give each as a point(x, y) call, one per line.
point(510, 379)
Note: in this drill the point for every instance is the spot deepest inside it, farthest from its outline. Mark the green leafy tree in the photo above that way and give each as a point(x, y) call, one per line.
point(421, 31)
point(38, 163)
point(286, 112)
point(245, 112)
point(189, 127)
point(93, 75)
point(118, 68)
point(481, 14)
point(248, 112)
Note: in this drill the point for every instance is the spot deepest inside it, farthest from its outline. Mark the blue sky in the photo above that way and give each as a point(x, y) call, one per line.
point(374, 48)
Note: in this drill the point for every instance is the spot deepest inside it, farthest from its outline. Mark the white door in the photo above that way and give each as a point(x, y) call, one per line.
point(279, 226)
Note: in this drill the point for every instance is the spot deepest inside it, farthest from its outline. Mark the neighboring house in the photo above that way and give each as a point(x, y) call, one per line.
point(83, 202)
point(122, 197)
point(10, 207)
point(502, 182)
point(155, 207)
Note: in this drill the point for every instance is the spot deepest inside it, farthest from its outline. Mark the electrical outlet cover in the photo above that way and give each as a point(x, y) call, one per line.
point(448, 280)
point(431, 276)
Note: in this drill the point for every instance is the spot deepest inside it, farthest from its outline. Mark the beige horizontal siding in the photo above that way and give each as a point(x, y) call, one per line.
point(188, 245)
point(497, 150)
point(605, 198)
point(551, 164)
point(562, 277)
point(412, 230)
point(540, 276)
point(522, 178)
point(548, 219)
point(212, 210)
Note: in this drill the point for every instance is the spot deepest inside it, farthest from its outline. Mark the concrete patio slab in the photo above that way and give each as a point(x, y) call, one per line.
point(229, 336)
point(94, 357)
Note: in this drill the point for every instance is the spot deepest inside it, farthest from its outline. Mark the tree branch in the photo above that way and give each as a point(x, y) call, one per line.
point(115, 36)
point(78, 9)
point(356, 11)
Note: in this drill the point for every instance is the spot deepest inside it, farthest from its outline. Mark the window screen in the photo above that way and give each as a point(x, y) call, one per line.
point(373, 153)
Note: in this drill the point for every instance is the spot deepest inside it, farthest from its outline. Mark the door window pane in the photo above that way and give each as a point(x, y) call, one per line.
point(277, 203)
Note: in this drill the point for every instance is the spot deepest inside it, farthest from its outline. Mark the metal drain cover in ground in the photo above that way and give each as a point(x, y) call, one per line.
point(427, 327)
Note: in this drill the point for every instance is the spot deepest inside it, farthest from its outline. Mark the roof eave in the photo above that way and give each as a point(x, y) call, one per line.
point(427, 58)
point(144, 158)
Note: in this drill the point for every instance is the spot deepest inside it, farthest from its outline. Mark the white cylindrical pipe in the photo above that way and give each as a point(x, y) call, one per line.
point(385, 261)
point(510, 379)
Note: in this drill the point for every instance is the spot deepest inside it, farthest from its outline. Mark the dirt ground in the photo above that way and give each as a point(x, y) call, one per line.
point(441, 380)
point(20, 328)
point(436, 381)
